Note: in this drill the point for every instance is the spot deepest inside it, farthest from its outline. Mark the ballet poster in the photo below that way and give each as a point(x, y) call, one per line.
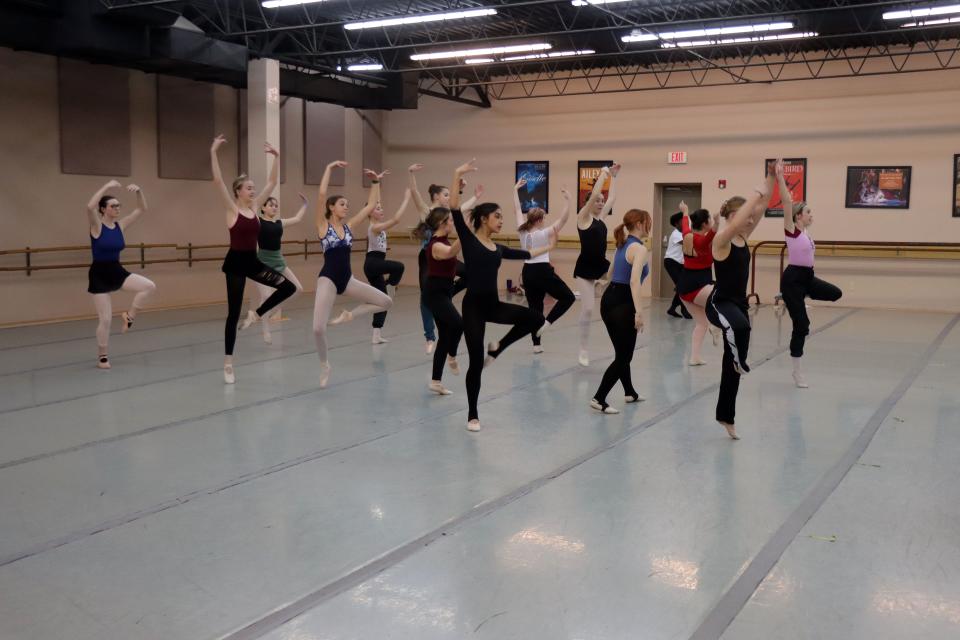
point(537, 175)
point(956, 186)
point(795, 175)
point(587, 173)
point(878, 188)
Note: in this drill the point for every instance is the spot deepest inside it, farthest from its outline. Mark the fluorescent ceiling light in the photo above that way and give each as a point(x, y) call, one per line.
point(374, 66)
point(486, 51)
point(435, 17)
point(583, 3)
point(930, 23)
point(705, 43)
point(716, 31)
point(273, 4)
point(552, 54)
point(479, 60)
point(921, 13)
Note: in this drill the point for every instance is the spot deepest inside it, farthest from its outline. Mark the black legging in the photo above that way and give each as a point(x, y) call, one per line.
point(731, 316)
point(539, 279)
point(674, 270)
point(797, 283)
point(478, 310)
point(617, 311)
point(438, 297)
point(235, 285)
point(375, 267)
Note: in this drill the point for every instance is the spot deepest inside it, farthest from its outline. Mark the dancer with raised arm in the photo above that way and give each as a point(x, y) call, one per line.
point(539, 277)
point(241, 262)
point(106, 274)
point(271, 254)
point(376, 264)
point(336, 276)
point(696, 279)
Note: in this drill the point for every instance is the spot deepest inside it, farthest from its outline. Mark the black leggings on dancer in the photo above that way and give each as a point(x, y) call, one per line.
point(618, 314)
point(235, 285)
point(438, 297)
point(478, 310)
point(674, 270)
point(798, 283)
point(730, 316)
point(539, 279)
point(375, 267)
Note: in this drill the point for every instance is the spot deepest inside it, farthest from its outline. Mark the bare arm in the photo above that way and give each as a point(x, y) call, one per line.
point(518, 210)
point(786, 199)
point(564, 216)
point(373, 197)
point(322, 194)
point(93, 211)
point(612, 195)
point(741, 219)
point(445, 252)
point(584, 215)
point(637, 257)
point(274, 178)
point(141, 207)
point(422, 207)
point(300, 213)
point(395, 220)
point(229, 203)
point(458, 173)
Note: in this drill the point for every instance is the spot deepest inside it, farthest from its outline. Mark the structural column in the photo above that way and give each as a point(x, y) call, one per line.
point(263, 116)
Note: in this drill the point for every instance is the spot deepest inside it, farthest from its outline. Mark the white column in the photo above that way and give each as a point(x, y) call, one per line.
point(263, 116)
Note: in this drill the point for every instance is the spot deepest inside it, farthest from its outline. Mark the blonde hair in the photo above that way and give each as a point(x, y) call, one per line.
point(731, 206)
point(238, 182)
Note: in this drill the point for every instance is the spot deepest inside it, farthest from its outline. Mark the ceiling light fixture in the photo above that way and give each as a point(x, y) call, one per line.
point(435, 17)
point(922, 13)
point(930, 23)
point(552, 54)
point(479, 60)
point(371, 66)
point(699, 33)
point(274, 4)
point(583, 3)
point(486, 51)
point(705, 43)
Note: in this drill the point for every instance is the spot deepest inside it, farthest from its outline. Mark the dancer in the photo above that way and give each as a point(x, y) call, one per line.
point(727, 307)
point(376, 264)
point(482, 304)
point(439, 197)
point(673, 265)
point(538, 275)
point(336, 277)
point(438, 292)
point(106, 274)
point(270, 254)
point(798, 280)
point(241, 261)
point(592, 263)
point(620, 306)
point(696, 279)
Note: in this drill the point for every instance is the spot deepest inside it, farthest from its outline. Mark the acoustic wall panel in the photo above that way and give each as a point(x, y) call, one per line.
point(324, 140)
point(185, 122)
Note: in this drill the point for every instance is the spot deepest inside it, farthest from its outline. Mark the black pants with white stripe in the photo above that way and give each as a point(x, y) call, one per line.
point(731, 316)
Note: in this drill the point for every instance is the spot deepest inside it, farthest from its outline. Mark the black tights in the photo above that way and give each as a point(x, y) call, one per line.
point(235, 285)
point(797, 283)
point(374, 268)
point(618, 314)
point(731, 316)
point(674, 270)
point(478, 310)
point(539, 279)
point(438, 298)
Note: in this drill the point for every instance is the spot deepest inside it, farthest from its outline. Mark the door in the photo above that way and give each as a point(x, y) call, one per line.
point(669, 196)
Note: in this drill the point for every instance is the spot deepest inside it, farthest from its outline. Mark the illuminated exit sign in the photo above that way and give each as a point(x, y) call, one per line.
point(677, 157)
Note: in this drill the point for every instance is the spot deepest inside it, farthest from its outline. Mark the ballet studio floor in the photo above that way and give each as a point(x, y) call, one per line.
point(152, 501)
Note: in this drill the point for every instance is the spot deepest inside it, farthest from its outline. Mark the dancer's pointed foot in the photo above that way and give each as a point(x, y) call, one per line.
point(800, 381)
point(249, 320)
point(543, 327)
point(324, 374)
point(345, 316)
point(453, 365)
point(473, 425)
point(731, 430)
point(602, 407)
point(634, 397)
point(699, 362)
point(437, 387)
point(538, 348)
point(378, 338)
point(583, 358)
point(127, 322)
point(715, 336)
point(103, 362)
point(431, 345)
point(228, 376)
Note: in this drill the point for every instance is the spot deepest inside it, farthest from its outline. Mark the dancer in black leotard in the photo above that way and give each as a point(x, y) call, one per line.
point(376, 265)
point(482, 304)
point(727, 306)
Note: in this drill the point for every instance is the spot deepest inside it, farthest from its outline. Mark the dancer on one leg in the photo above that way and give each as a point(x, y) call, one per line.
point(539, 277)
point(241, 261)
point(336, 277)
point(376, 264)
point(620, 306)
point(106, 274)
point(798, 280)
point(696, 279)
point(271, 254)
point(727, 307)
point(438, 293)
point(482, 304)
point(673, 265)
point(592, 263)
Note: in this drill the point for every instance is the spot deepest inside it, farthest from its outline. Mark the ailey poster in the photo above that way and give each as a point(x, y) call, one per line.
point(535, 193)
point(795, 175)
point(587, 173)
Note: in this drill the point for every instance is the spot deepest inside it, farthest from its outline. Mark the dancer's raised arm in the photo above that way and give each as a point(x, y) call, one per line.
point(458, 173)
point(93, 206)
point(786, 198)
point(744, 216)
point(612, 194)
point(322, 194)
point(423, 209)
point(564, 215)
point(518, 210)
point(389, 223)
point(586, 212)
point(300, 213)
point(141, 207)
point(373, 197)
point(274, 178)
point(228, 199)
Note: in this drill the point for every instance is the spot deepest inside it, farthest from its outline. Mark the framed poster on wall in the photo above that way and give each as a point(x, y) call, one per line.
point(878, 187)
point(956, 186)
point(795, 175)
point(537, 175)
point(587, 173)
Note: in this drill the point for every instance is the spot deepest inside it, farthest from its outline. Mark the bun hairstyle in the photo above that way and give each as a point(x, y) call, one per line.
point(731, 206)
point(434, 190)
point(675, 219)
point(103, 203)
point(238, 182)
point(798, 208)
point(434, 219)
point(482, 211)
point(331, 201)
point(699, 218)
point(631, 220)
point(534, 216)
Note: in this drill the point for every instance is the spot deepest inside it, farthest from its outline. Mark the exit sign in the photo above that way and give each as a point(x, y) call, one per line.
point(677, 157)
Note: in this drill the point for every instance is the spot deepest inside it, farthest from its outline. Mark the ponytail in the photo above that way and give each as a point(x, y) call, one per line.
point(631, 220)
point(431, 223)
point(619, 235)
point(534, 216)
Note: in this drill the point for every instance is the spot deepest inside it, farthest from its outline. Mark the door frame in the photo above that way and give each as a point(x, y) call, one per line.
point(658, 231)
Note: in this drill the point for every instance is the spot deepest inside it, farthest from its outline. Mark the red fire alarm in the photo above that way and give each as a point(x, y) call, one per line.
point(721, 184)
